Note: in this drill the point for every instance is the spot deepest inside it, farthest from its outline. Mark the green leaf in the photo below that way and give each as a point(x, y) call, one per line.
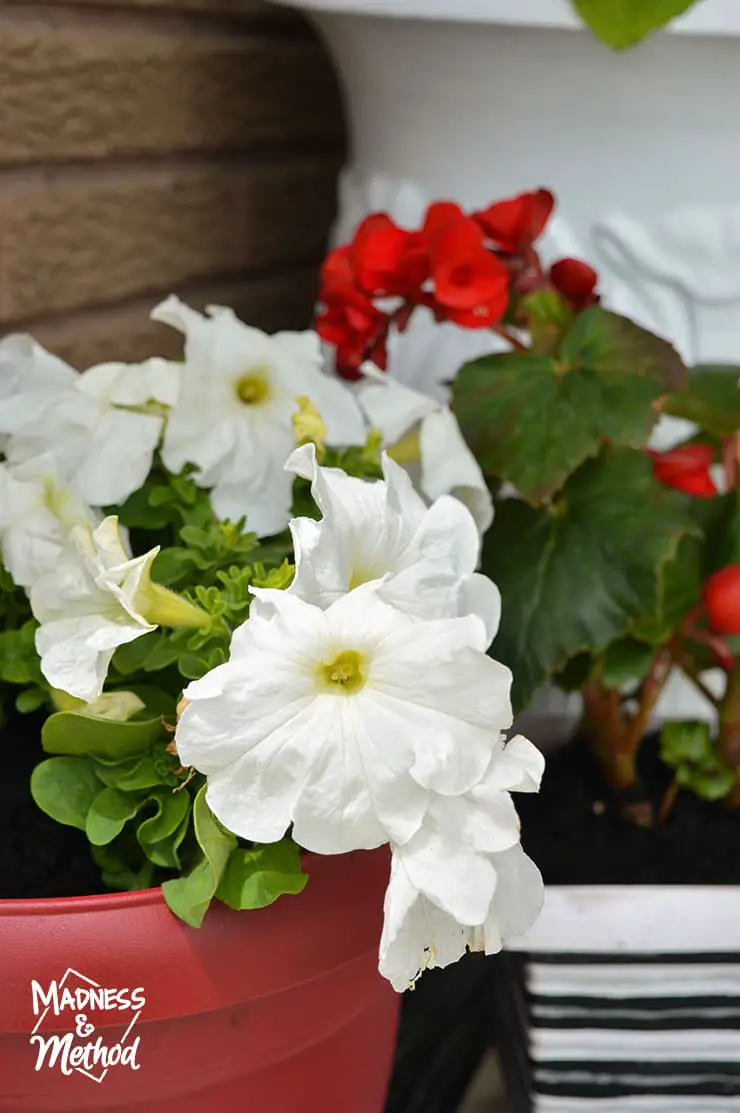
point(687, 748)
point(30, 700)
point(256, 878)
point(622, 23)
point(144, 509)
point(708, 784)
point(172, 565)
point(685, 741)
point(64, 788)
point(711, 399)
point(679, 589)
point(532, 420)
point(573, 577)
point(626, 662)
point(161, 834)
point(721, 525)
point(134, 775)
point(19, 661)
point(118, 873)
point(190, 896)
point(109, 813)
point(133, 656)
point(73, 732)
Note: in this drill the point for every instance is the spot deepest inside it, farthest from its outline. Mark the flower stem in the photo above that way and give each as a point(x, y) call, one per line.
point(617, 736)
point(508, 336)
point(729, 720)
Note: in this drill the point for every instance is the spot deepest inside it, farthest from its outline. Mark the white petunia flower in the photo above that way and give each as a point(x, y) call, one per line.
point(37, 513)
point(87, 607)
point(342, 721)
point(424, 432)
point(463, 881)
point(101, 451)
point(233, 417)
point(96, 599)
point(383, 530)
point(32, 381)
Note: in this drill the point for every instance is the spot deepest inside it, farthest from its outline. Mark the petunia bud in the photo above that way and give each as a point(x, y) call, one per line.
point(162, 607)
point(722, 600)
point(308, 425)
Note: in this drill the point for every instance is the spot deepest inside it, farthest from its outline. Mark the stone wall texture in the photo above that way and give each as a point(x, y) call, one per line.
point(157, 146)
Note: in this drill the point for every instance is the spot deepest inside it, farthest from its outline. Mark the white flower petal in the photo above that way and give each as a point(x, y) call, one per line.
point(453, 876)
point(517, 767)
point(416, 934)
point(118, 458)
point(37, 513)
point(76, 652)
point(449, 467)
point(31, 379)
point(133, 384)
point(517, 900)
point(391, 408)
point(86, 607)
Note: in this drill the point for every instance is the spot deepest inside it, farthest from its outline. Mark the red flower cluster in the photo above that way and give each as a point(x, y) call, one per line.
point(686, 469)
point(464, 268)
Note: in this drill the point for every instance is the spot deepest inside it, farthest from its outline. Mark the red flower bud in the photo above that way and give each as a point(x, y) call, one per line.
point(575, 281)
point(686, 469)
point(722, 600)
point(516, 223)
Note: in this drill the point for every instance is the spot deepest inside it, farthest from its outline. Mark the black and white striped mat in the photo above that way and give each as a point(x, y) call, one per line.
point(598, 1033)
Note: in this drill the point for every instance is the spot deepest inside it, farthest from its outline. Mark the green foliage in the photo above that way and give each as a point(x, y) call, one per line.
point(532, 420)
point(679, 589)
point(65, 788)
point(576, 576)
point(78, 732)
point(711, 399)
point(622, 23)
point(190, 896)
point(625, 662)
point(257, 877)
point(687, 748)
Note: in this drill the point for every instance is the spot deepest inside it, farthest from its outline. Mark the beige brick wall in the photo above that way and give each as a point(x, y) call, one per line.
point(150, 146)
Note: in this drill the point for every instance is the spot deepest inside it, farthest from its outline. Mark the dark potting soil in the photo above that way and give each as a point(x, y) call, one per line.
point(576, 837)
point(38, 857)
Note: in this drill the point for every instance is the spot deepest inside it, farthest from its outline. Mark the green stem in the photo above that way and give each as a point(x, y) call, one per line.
point(729, 720)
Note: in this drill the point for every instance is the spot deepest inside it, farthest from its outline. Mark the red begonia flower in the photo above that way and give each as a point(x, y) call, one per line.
point(387, 260)
point(466, 276)
point(722, 600)
point(337, 284)
point(356, 334)
point(575, 281)
point(515, 224)
point(686, 469)
point(439, 215)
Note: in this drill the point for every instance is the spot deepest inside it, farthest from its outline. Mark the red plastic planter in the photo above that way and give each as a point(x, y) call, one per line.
point(276, 1011)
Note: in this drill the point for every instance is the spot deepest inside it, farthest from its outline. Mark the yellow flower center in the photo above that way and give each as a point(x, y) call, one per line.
point(253, 389)
point(346, 673)
point(361, 576)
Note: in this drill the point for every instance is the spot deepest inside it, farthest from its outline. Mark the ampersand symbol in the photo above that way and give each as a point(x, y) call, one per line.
point(82, 1028)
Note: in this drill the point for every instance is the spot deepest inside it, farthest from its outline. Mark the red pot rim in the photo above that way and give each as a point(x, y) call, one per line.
point(24, 906)
point(96, 902)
